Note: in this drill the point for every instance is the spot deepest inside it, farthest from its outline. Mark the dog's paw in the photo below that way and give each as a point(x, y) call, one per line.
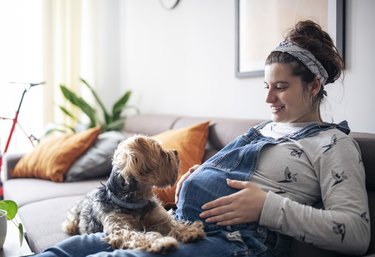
point(192, 232)
point(116, 242)
point(163, 244)
point(122, 239)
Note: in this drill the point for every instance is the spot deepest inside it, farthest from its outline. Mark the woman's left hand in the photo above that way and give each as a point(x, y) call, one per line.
point(240, 207)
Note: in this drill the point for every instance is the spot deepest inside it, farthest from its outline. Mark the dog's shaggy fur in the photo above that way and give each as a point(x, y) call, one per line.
point(126, 209)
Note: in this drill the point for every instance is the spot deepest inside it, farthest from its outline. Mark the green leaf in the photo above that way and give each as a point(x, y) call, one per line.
point(106, 114)
point(20, 233)
point(81, 104)
point(119, 105)
point(10, 207)
point(68, 113)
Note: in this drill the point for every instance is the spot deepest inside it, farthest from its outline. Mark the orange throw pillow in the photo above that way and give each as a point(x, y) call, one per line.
point(190, 143)
point(52, 158)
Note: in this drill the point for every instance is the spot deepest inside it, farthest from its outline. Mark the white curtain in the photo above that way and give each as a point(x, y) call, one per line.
point(81, 41)
point(62, 36)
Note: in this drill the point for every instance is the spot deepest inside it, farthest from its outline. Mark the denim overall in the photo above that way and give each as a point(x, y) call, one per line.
point(237, 161)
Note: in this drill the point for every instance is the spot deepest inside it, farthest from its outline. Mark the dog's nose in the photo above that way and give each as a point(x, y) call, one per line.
point(175, 152)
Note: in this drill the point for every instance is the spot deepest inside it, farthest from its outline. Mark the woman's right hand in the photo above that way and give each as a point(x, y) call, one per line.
point(181, 181)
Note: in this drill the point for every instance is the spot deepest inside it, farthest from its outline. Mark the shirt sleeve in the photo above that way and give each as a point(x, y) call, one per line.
point(343, 225)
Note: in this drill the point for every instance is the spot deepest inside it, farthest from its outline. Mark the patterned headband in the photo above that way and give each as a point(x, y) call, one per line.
point(306, 57)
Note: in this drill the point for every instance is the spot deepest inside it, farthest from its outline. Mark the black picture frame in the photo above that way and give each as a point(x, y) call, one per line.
point(336, 28)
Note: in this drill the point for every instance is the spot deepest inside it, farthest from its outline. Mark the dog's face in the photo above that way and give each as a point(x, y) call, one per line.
point(144, 159)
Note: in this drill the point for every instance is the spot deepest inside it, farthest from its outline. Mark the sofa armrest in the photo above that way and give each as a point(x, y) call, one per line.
point(9, 162)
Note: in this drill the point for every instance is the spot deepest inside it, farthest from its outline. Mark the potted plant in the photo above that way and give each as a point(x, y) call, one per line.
point(11, 208)
point(107, 120)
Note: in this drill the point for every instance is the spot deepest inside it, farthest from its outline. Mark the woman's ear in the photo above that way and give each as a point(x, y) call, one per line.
point(315, 86)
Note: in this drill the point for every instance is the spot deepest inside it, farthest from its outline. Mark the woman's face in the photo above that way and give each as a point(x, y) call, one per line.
point(285, 93)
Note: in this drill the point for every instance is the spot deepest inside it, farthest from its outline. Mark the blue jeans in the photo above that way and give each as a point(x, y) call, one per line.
point(235, 161)
point(254, 241)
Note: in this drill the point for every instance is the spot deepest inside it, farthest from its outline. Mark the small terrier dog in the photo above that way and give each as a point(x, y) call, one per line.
point(126, 209)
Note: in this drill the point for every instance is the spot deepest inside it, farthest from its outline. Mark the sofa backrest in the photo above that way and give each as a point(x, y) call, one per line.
point(366, 142)
point(223, 130)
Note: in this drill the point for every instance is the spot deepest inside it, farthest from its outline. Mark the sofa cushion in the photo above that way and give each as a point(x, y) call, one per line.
point(28, 190)
point(43, 221)
point(97, 160)
point(52, 158)
point(190, 144)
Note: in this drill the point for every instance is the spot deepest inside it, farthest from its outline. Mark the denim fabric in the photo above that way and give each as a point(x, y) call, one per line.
point(238, 161)
point(217, 243)
point(78, 246)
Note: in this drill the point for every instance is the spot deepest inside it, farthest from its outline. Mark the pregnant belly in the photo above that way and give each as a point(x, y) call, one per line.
point(202, 186)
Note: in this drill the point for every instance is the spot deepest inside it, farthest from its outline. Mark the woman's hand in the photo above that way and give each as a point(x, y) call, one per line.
point(181, 181)
point(241, 207)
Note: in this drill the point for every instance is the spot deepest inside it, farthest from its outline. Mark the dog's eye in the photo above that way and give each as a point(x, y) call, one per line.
point(175, 152)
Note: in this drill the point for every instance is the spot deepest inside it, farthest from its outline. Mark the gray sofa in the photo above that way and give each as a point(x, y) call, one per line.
point(44, 204)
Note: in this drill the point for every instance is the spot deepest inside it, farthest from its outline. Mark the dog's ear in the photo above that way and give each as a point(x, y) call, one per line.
point(131, 166)
point(122, 154)
point(126, 158)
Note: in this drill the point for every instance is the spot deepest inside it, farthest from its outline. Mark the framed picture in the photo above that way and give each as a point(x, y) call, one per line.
point(261, 25)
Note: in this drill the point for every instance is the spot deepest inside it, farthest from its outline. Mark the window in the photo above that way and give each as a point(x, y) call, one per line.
point(21, 51)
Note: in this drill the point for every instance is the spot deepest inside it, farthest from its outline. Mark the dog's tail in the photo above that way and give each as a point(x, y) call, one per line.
point(71, 223)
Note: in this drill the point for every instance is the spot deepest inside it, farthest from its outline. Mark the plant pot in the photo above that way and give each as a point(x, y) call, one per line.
point(3, 227)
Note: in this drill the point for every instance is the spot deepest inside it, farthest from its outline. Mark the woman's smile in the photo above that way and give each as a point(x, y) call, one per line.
point(276, 109)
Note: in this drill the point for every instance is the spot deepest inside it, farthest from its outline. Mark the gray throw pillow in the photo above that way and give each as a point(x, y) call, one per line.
point(97, 160)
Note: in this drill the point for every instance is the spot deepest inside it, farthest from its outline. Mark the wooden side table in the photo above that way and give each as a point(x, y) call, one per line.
point(12, 246)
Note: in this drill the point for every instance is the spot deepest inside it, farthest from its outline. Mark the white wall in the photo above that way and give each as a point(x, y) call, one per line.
point(183, 61)
point(357, 104)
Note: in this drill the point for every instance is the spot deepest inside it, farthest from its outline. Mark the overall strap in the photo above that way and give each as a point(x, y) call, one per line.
point(314, 129)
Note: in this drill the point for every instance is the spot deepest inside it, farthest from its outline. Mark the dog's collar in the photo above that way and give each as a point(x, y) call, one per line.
point(128, 205)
